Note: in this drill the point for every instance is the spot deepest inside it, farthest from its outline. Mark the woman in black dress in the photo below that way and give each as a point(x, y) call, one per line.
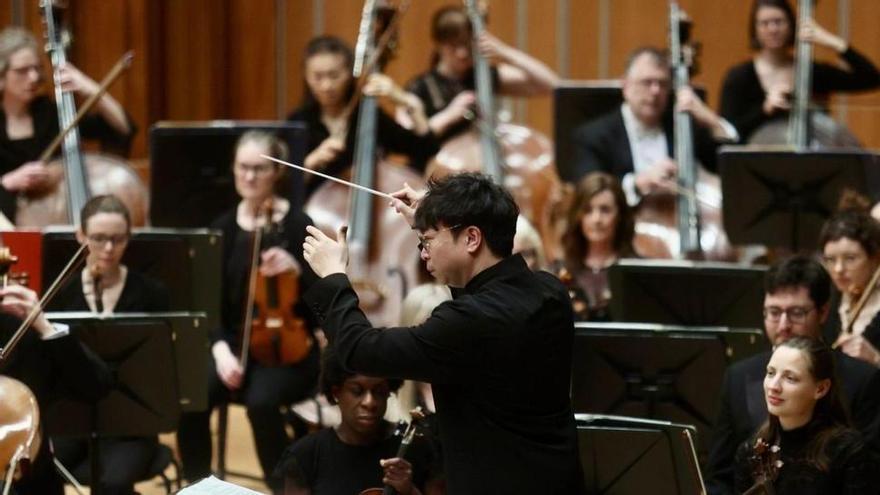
point(757, 91)
point(807, 445)
point(261, 388)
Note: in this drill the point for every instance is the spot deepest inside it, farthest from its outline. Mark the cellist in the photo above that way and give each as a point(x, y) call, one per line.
point(263, 389)
point(29, 120)
point(51, 362)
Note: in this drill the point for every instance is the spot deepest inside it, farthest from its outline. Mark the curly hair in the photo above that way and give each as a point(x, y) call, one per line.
point(333, 374)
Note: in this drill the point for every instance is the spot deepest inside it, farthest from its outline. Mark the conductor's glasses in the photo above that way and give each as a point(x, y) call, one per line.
point(795, 314)
point(425, 243)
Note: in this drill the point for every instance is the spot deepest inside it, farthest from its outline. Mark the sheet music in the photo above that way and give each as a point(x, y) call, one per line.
point(214, 486)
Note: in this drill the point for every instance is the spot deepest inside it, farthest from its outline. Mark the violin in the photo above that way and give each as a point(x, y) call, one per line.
point(766, 463)
point(272, 334)
point(19, 413)
point(79, 176)
point(406, 440)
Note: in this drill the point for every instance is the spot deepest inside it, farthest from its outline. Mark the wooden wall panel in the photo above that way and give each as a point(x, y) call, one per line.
point(213, 59)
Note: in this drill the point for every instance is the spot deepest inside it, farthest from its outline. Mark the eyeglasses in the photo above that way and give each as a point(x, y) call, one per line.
point(795, 314)
point(764, 23)
point(425, 243)
point(258, 170)
point(103, 239)
point(847, 260)
point(25, 70)
point(647, 83)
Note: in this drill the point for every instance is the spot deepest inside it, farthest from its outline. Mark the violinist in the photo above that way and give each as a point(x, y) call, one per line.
point(850, 243)
point(600, 231)
point(359, 453)
point(107, 286)
point(261, 388)
point(447, 89)
point(29, 118)
point(332, 122)
point(796, 303)
point(807, 429)
point(756, 91)
point(53, 364)
point(635, 142)
point(498, 356)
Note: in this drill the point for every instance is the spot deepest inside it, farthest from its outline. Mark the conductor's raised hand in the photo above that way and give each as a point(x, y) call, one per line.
point(405, 202)
point(326, 256)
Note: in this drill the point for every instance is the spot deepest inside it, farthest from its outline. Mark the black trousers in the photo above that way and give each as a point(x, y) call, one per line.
point(264, 392)
point(124, 460)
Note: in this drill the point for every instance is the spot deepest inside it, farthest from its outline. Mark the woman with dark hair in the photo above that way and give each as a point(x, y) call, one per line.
point(759, 90)
point(850, 243)
point(329, 89)
point(107, 286)
point(600, 231)
point(29, 120)
point(262, 388)
point(806, 446)
point(360, 452)
point(447, 89)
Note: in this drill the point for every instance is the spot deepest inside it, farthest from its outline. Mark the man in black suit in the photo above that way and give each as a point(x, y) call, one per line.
point(797, 291)
point(635, 143)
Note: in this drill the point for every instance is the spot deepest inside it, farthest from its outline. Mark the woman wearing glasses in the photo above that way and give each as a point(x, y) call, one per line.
point(29, 121)
point(759, 90)
point(107, 286)
point(850, 244)
point(263, 389)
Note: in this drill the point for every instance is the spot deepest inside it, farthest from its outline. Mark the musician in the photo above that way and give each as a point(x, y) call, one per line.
point(820, 452)
point(29, 118)
point(329, 90)
point(850, 243)
point(797, 291)
point(262, 389)
point(599, 231)
point(635, 142)
point(527, 242)
point(107, 286)
point(360, 452)
point(53, 364)
point(498, 356)
point(756, 91)
point(447, 89)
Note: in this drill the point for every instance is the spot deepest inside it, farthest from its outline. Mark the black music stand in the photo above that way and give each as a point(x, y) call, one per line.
point(784, 197)
point(186, 261)
point(191, 180)
point(622, 455)
point(656, 371)
point(159, 363)
point(687, 293)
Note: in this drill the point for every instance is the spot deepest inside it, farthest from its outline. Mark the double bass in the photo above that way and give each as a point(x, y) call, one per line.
point(79, 176)
point(686, 224)
point(382, 246)
point(515, 156)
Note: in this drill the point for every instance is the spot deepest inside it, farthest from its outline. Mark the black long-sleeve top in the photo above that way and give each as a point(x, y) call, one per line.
point(852, 468)
point(499, 359)
point(140, 294)
point(237, 246)
point(390, 137)
point(742, 96)
point(16, 152)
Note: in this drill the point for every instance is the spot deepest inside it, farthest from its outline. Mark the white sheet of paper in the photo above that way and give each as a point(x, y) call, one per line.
point(214, 486)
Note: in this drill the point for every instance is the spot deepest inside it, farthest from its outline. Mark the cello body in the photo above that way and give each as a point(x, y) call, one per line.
point(19, 426)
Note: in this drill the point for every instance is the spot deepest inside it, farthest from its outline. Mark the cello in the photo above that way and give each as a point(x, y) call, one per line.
point(384, 261)
point(515, 156)
point(79, 176)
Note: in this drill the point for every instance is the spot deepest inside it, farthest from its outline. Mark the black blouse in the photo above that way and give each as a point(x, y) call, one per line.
point(390, 137)
point(742, 96)
point(140, 294)
point(852, 468)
